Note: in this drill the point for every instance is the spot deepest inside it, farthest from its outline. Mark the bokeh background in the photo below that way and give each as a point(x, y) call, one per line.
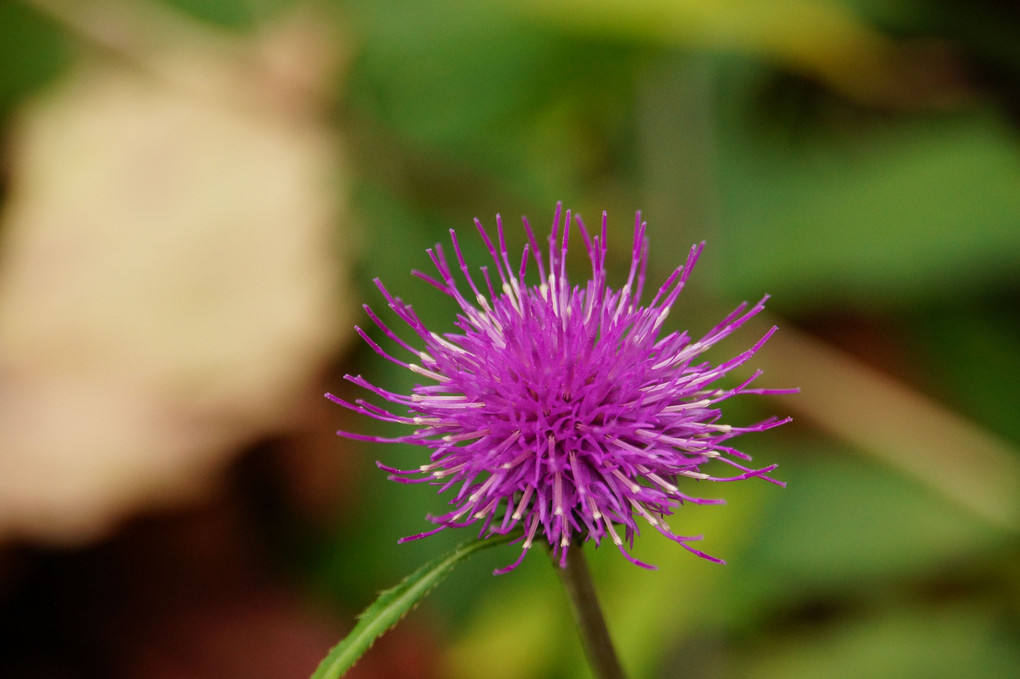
point(196, 194)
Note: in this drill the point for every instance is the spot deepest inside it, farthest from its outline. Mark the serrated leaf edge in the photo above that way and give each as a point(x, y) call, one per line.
point(393, 604)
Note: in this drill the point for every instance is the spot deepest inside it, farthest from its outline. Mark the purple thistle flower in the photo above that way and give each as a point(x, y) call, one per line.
point(561, 410)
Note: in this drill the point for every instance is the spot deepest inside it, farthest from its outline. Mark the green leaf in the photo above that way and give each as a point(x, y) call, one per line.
point(33, 50)
point(880, 215)
point(237, 14)
point(393, 604)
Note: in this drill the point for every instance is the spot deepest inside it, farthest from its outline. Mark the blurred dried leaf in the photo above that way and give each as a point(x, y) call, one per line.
point(169, 283)
point(899, 426)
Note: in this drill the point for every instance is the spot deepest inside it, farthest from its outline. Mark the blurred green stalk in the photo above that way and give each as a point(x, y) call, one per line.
point(591, 624)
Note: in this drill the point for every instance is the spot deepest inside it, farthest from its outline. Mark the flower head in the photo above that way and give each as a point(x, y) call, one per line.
point(565, 412)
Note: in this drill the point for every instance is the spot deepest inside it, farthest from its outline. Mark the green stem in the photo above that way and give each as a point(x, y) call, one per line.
point(588, 616)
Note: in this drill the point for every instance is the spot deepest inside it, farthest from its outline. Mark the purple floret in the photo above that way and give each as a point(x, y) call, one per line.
point(563, 411)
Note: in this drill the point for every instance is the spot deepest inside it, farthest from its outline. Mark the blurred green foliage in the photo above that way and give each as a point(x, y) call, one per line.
point(32, 49)
point(870, 180)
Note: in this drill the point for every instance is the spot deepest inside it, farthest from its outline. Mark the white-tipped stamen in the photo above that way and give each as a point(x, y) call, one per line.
point(447, 344)
point(630, 483)
point(531, 534)
point(523, 504)
point(680, 407)
point(612, 533)
point(467, 436)
point(484, 488)
point(512, 296)
point(417, 369)
point(431, 421)
point(643, 511)
point(557, 494)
